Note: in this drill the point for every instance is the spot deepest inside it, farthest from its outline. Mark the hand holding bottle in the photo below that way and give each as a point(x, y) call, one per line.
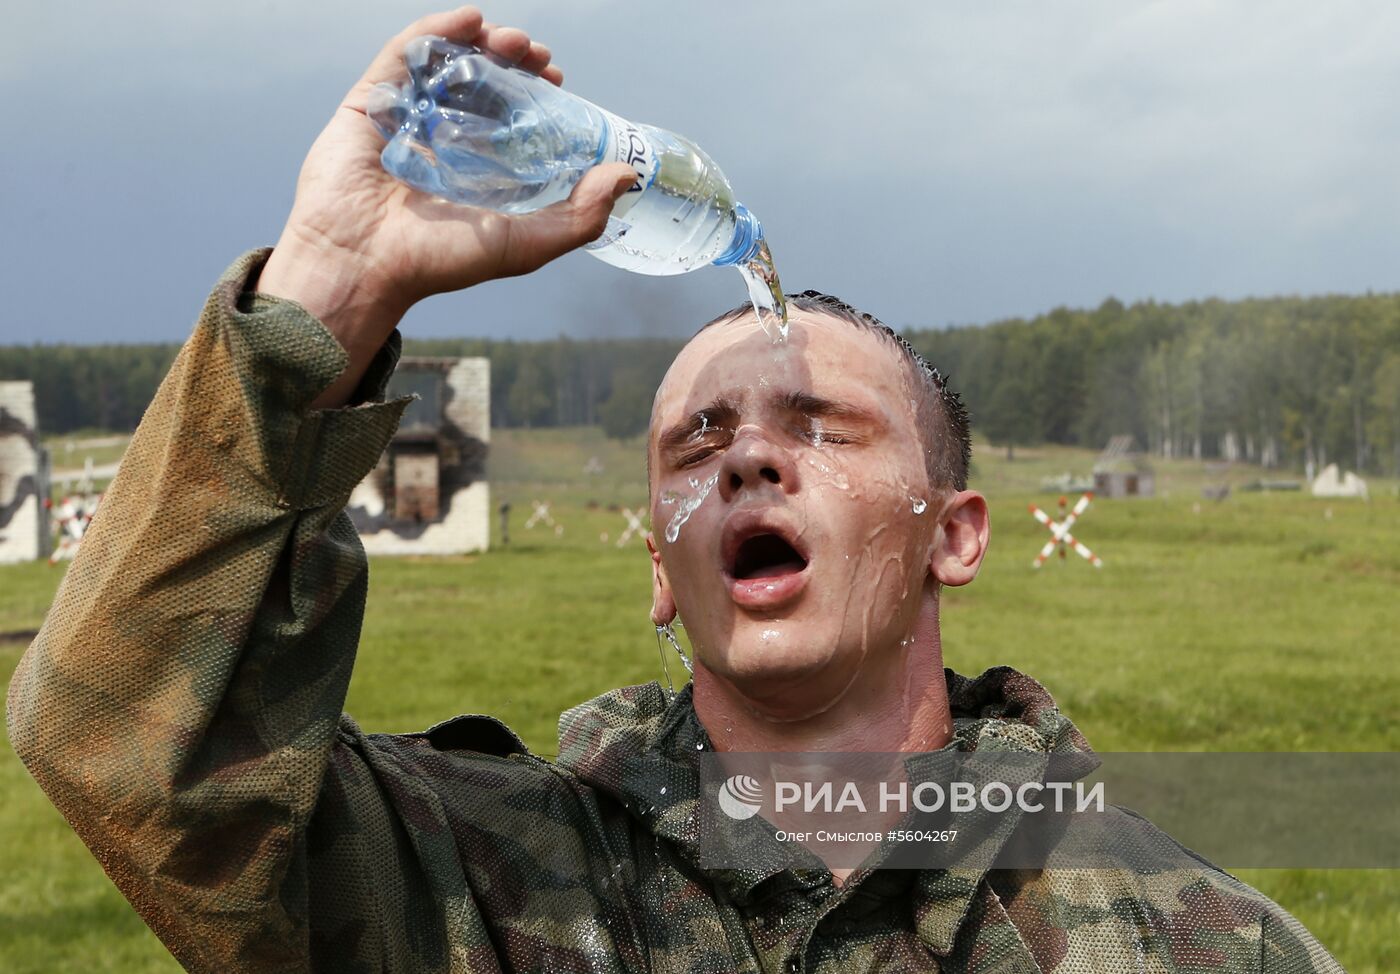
point(359, 247)
point(473, 129)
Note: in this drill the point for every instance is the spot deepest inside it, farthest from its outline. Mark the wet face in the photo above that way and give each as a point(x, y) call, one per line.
point(793, 518)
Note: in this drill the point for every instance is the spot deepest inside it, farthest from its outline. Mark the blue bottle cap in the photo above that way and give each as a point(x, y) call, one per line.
point(747, 233)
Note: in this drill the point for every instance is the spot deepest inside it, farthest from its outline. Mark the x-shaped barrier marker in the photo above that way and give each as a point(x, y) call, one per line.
point(74, 516)
point(1059, 533)
point(541, 514)
point(634, 526)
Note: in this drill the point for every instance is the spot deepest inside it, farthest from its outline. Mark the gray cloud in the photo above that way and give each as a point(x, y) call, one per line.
point(933, 162)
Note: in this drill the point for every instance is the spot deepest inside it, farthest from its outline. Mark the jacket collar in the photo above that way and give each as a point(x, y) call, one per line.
point(638, 744)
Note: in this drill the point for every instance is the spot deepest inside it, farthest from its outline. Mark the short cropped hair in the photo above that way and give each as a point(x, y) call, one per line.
point(942, 417)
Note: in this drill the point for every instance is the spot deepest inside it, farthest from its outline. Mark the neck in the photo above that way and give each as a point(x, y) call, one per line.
point(899, 705)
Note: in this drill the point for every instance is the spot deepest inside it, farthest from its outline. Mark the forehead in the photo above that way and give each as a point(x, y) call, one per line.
point(823, 355)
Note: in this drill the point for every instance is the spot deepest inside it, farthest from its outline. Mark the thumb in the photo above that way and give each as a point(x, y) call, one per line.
point(592, 199)
point(545, 234)
point(580, 219)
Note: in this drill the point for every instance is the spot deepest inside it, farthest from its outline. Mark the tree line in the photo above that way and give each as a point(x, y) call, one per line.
point(1283, 382)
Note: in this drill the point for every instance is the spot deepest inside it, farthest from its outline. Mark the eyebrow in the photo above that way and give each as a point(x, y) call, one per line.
point(809, 404)
point(720, 409)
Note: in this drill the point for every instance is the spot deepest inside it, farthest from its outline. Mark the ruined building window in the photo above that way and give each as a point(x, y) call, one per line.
point(415, 484)
point(425, 414)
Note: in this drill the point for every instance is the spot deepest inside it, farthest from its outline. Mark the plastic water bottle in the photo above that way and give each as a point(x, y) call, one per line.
point(472, 129)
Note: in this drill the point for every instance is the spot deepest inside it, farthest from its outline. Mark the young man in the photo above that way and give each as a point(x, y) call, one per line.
point(182, 704)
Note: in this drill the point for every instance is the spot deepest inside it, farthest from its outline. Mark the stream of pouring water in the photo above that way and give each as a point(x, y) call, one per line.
point(766, 293)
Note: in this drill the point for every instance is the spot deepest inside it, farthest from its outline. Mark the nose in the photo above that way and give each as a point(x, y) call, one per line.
point(753, 461)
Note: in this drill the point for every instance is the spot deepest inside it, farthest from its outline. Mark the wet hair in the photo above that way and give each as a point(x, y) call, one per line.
point(942, 417)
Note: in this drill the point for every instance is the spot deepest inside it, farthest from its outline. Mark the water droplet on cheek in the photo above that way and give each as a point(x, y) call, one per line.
point(687, 506)
point(918, 503)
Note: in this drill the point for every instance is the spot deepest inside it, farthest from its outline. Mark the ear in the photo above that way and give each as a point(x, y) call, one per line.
point(663, 604)
point(962, 539)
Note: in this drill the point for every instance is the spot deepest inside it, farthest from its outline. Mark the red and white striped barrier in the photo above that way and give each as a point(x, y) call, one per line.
point(1060, 535)
point(73, 515)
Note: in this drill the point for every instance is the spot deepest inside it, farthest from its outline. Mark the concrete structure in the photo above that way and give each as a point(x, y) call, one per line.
point(1122, 471)
point(24, 477)
point(428, 495)
point(1333, 483)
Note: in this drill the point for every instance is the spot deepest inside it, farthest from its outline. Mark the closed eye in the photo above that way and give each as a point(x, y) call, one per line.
point(818, 434)
point(694, 457)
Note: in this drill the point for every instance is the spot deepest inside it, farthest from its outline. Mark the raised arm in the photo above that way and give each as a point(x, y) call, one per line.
point(180, 701)
point(359, 248)
point(180, 705)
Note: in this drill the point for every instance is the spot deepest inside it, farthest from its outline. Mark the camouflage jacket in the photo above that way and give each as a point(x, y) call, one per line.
point(182, 707)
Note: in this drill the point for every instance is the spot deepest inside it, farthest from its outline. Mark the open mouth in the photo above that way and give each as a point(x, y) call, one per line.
point(766, 564)
point(766, 556)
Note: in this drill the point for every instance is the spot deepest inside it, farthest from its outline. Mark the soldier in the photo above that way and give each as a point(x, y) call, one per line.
point(182, 704)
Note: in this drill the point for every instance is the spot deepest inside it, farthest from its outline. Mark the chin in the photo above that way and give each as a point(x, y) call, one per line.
point(766, 670)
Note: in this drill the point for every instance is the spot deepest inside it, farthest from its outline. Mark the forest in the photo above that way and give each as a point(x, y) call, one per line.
point(1282, 382)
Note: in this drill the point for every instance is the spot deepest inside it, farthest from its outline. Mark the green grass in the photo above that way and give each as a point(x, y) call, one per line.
point(1257, 623)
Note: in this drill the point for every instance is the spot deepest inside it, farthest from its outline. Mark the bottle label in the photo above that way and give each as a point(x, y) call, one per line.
point(626, 143)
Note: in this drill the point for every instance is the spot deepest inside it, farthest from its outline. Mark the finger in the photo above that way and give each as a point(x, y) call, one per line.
point(507, 43)
point(571, 223)
point(591, 201)
point(609, 181)
point(553, 74)
point(461, 25)
point(537, 58)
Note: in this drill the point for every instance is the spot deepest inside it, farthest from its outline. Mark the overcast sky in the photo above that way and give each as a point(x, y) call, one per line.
point(932, 162)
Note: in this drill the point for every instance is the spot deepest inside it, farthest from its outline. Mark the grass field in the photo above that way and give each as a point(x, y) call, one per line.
point(1263, 622)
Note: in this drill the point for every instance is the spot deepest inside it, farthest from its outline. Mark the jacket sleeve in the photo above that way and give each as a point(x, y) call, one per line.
point(1288, 948)
point(182, 703)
